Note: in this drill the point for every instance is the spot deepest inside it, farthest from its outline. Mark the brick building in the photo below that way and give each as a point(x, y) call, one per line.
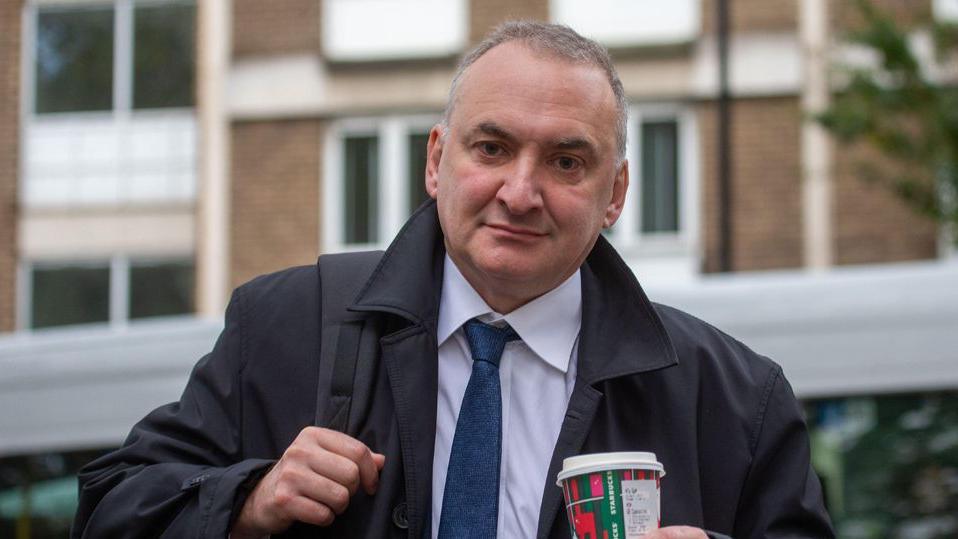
point(228, 138)
point(296, 101)
point(296, 69)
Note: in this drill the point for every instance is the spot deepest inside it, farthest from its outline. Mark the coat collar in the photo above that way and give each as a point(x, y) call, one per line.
point(621, 332)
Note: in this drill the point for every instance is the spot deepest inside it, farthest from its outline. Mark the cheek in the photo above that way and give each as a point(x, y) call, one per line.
point(471, 190)
point(580, 210)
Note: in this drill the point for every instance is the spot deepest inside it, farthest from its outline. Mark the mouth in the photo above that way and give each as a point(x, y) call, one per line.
point(515, 231)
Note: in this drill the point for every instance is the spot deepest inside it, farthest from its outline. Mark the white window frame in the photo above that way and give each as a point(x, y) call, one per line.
point(393, 134)
point(123, 39)
point(124, 175)
point(625, 235)
point(119, 266)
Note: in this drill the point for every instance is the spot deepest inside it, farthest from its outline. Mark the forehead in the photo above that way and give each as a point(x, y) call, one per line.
point(537, 94)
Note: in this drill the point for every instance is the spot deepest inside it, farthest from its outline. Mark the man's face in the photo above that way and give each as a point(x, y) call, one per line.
point(525, 176)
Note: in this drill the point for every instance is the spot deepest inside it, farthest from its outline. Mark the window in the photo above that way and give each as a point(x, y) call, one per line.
point(111, 93)
point(356, 30)
point(78, 66)
point(74, 59)
point(376, 178)
point(659, 212)
point(660, 176)
point(160, 289)
point(417, 169)
point(888, 464)
point(114, 291)
point(163, 56)
point(630, 23)
point(361, 183)
point(70, 295)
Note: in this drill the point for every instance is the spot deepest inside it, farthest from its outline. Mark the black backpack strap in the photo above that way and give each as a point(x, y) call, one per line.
point(340, 278)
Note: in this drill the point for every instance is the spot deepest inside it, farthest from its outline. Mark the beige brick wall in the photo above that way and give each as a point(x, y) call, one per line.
point(9, 152)
point(486, 14)
point(263, 27)
point(766, 204)
point(274, 214)
point(845, 15)
point(753, 15)
point(871, 224)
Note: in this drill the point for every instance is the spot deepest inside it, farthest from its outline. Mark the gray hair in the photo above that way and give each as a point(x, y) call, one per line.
point(556, 40)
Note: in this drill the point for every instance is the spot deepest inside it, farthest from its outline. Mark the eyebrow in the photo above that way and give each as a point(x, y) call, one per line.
point(575, 143)
point(492, 129)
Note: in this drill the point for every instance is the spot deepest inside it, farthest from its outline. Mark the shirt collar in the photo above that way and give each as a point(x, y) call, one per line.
point(548, 325)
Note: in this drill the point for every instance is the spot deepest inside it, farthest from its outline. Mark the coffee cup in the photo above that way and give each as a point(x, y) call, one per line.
point(613, 495)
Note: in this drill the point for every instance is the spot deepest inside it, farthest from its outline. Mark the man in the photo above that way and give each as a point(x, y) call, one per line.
point(501, 335)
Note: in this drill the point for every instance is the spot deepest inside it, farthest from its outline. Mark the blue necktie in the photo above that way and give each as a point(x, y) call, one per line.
point(470, 501)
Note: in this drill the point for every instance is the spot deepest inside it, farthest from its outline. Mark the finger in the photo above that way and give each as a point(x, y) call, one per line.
point(327, 492)
point(310, 511)
point(355, 451)
point(369, 472)
point(337, 468)
point(380, 460)
point(677, 532)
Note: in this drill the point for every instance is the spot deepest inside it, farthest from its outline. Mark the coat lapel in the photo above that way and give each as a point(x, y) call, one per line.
point(621, 335)
point(578, 418)
point(406, 287)
point(410, 357)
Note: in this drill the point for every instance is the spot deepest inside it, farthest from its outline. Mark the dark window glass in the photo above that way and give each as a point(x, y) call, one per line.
point(417, 170)
point(73, 295)
point(74, 59)
point(163, 56)
point(660, 193)
point(161, 289)
point(38, 493)
point(888, 464)
point(362, 189)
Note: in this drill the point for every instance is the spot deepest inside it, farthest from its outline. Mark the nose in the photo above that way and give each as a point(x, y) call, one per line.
point(520, 190)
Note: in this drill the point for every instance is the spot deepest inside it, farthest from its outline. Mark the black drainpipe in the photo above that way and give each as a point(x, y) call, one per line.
point(724, 141)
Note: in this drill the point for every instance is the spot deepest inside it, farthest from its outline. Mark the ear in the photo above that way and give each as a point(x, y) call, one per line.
point(619, 187)
point(433, 156)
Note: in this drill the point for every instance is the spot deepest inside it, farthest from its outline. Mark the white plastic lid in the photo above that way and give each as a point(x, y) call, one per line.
point(600, 462)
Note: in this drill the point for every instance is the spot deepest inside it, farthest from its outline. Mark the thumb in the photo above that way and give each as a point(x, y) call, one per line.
point(380, 460)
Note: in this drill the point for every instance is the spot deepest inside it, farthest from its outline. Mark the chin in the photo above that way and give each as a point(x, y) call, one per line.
point(510, 273)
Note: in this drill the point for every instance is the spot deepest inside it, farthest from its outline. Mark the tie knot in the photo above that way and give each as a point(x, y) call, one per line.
point(487, 342)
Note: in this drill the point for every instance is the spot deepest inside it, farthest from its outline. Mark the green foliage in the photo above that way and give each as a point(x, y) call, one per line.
point(895, 108)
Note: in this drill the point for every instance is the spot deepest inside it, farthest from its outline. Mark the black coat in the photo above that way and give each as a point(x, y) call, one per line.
point(722, 419)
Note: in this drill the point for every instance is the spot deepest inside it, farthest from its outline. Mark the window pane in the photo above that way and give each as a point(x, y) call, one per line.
point(888, 464)
point(660, 201)
point(74, 55)
point(362, 189)
point(73, 295)
point(417, 170)
point(163, 56)
point(161, 289)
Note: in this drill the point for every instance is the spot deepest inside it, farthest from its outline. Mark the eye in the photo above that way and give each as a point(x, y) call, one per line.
point(489, 149)
point(567, 163)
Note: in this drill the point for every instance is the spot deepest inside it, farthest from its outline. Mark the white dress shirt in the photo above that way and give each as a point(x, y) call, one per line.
point(537, 375)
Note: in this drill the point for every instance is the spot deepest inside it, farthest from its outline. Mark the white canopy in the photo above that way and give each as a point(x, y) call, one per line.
point(864, 330)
